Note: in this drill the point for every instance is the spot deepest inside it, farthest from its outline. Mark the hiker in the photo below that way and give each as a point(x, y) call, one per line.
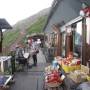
point(34, 52)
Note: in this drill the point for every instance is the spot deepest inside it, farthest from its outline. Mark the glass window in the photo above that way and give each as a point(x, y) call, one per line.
point(77, 39)
point(54, 39)
point(63, 43)
point(88, 30)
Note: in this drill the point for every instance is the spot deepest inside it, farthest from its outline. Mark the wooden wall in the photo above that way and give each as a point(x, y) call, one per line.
point(56, 29)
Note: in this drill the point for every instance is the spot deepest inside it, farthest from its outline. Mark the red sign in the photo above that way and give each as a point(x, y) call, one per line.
point(87, 11)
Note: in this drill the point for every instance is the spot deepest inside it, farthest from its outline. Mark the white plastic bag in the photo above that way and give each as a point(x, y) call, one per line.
point(26, 55)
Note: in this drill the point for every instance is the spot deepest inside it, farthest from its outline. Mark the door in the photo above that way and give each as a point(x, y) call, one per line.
point(69, 40)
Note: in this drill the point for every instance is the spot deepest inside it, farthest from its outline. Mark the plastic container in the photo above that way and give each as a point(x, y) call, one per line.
point(66, 68)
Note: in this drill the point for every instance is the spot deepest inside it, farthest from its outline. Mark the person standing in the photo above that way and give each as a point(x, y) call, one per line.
point(34, 52)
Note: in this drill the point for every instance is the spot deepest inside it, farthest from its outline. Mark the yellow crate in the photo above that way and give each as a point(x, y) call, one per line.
point(72, 68)
point(66, 68)
point(78, 67)
point(75, 67)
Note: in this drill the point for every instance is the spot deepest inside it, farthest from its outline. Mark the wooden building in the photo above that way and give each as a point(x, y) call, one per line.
point(70, 31)
point(3, 25)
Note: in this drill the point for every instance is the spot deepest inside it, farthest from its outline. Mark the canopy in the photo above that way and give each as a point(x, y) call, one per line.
point(4, 24)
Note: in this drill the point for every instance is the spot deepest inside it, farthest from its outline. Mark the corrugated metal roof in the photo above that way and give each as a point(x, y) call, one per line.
point(4, 24)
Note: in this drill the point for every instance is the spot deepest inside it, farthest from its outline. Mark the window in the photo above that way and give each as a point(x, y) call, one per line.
point(88, 30)
point(77, 39)
point(54, 40)
point(63, 43)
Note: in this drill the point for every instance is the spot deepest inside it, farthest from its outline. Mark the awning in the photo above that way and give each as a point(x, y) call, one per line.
point(4, 24)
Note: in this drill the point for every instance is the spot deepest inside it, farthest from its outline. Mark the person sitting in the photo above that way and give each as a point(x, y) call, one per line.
point(19, 56)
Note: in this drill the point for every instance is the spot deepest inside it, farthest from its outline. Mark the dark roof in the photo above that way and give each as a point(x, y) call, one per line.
point(55, 5)
point(87, 2)
point(53, 8)
point(4, 24)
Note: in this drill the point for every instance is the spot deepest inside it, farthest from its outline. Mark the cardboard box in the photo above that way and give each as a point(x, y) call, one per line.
point(85, 69)
point(78, 76)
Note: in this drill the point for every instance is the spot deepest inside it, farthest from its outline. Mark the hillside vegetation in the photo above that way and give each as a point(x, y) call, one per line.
point(28, 26)
point(11, 36)
point(37, 27)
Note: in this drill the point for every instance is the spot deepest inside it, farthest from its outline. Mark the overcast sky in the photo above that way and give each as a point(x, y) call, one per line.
point(15, 10)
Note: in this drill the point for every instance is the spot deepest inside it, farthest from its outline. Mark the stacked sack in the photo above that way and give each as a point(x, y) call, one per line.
point(53, 74)
point(53, 77)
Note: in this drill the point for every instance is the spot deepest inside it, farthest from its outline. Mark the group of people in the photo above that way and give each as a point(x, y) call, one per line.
point(34, 50)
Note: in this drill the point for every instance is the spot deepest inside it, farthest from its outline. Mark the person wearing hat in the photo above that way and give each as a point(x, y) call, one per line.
point(19, 55)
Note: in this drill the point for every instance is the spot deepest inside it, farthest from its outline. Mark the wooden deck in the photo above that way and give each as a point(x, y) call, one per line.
point(33, 78)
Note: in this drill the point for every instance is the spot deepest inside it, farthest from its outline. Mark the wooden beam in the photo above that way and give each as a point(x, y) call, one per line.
point(84, 31)
point(57, 30)
point(1, 39)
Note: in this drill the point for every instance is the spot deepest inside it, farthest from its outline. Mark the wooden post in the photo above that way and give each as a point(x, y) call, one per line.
point(1, 39)
point(84, 31)
point(69, 44)
point(59, 43)
point(58, 39)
